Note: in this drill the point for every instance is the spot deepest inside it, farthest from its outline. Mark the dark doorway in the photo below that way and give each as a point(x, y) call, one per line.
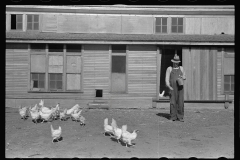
point(167, 55)
point(99, 92)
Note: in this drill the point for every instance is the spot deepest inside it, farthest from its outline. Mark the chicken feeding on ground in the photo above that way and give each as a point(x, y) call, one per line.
point(42, 107)
point(46, 116)
point(56, 133)
point(127, 137)
point(23, 112)
point(108, 128)
point(55, 111)
point(35, 115)
point(82, 120)
point(75, 116)
point(116, 131)
point(62, 115)
point(71, 110)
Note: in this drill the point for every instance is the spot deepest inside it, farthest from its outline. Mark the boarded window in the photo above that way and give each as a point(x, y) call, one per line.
point(55, 64)
point(161, 25)
point(229, 84)
point(73, 82)
point(55, 47)
point(38, 63)
point(177, 25)
point(16, 22)
point(73, 72)
point(73, 48)
point(32, 22)
point(118, 64)
point(55, 81)
point(229, 61)
point(37, 81)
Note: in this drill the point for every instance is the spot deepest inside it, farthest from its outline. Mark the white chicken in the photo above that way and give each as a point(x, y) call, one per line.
point(108, 128)
point(23, 112)
point(71, 110)
point(46, 116)
point(42, 107)
point(75, 116)
point(63, 114)
point(161, 95)
point(56, 133)
point(116, 131)
point(55, 111)
point(82, 120)
point(35, 115)
point(35, 108)
point(127, 137)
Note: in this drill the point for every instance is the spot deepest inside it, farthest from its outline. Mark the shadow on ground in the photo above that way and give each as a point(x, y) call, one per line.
point(165, 115)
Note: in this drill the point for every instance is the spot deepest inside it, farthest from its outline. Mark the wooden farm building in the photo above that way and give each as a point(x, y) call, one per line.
point(116, 54)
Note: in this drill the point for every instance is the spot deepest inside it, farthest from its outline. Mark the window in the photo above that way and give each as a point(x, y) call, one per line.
point(16, 22)
point(177, 25)
point(229, 84)
point(118, 69)
point(38, 81)
point(32, 22)
point(161, 25)
point(55, 70)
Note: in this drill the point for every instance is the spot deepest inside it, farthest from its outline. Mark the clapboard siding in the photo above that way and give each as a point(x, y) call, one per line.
point(219, 73)
point(49, 23)
point(202, 77)
point(193, 26)
point(142, 70)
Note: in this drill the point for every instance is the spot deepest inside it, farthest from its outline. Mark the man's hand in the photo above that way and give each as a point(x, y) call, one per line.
point(170, 88)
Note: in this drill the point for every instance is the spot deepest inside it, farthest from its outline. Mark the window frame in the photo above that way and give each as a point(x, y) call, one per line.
point(228, 92)
point(64, 74)
point(10, 26)
point(155, 26)
point(170, 25)
point(32, 22)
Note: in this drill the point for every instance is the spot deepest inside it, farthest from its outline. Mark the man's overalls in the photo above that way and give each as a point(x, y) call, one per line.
point(176, 96)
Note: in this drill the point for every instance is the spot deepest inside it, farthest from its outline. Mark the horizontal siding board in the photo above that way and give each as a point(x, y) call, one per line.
point(49, 23)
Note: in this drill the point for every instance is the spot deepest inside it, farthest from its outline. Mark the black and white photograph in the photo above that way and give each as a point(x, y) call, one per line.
point(119, 81)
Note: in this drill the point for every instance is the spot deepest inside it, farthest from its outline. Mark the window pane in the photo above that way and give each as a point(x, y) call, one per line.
point(36, 17)
point(52, 77)
point(55, 47)
point(232, 87)
point(35, 84)
point(180, 21)
point(73, 48)
point(19, 18)
point(41, 77)
point(232, 79)
point(41, 84)
point(52, 84)
point(59, 84)
point(164, 29)
point(29, 26)
point(180, 29)
point(158, 21)
point(158, 29)
point(227, 87)
point(35, 26)
point(38, 46)
point(34, 76)
point(29, 18)
point(13, 21)
point(226, 79)
point(59, 77)
point(19, 26)
point(118, 48)
point(164, 21)
point(118, 64)
point(174, 29)
point(174, 21)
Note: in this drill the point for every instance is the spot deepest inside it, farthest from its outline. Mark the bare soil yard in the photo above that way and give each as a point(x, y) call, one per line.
point(206, 133)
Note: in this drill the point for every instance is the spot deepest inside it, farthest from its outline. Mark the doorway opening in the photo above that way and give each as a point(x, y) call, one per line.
point(167, 54)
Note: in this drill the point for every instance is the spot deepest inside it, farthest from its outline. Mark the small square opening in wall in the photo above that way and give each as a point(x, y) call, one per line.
point(99, 92)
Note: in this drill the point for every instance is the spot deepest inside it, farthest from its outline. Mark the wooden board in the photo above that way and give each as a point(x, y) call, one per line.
point(38, 63)
point(193, 26)
point(73, 82)
point(109, 23)
point(49, 23)
point(74, 64)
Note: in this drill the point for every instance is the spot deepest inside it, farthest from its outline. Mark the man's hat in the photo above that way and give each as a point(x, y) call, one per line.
point(176, 59)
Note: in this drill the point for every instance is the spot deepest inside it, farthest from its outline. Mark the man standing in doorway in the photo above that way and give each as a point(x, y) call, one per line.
point(174, 81)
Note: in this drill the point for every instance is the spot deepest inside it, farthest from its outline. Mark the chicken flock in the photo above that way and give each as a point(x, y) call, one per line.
point(40, 113)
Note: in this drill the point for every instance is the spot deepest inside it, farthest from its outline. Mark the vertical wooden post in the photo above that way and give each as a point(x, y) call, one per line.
point(226, 104)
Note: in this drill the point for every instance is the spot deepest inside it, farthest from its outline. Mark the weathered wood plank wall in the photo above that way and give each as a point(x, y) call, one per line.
point(203, 79)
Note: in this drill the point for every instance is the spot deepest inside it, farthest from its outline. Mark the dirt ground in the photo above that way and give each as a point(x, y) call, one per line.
point(206, 133)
